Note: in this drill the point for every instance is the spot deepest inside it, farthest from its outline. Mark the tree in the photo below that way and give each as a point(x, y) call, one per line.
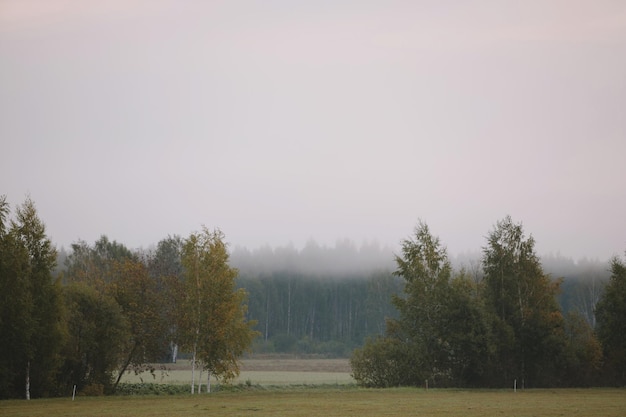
point(212, 324)
point(466, 330)
point(611, 319)
point(165, 268)
point(114, 271)
point(426, 270)
point(384, 362)
point(94, 265)
point(96, 330)
point(32, 313)
point(16, 307)
point(441, 336)
point(527, 318)
point(381, 286)
point(583, 352)
point(140, 301)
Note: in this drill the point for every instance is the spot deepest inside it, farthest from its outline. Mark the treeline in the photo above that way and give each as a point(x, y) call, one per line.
point(305, 303)
point(84, 317)
point(501, 326)
point(111, 310)
point(327, 315)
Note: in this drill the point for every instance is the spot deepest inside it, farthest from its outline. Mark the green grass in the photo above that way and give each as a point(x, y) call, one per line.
point(255, 377)
point(336, 402)
point(260, 372)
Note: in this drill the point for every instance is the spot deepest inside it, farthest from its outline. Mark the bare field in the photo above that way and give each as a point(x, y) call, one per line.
point(337, 403)
point(265, 371)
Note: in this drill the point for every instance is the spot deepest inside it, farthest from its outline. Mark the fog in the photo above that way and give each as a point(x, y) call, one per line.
point(345, 258)
point(283, 123)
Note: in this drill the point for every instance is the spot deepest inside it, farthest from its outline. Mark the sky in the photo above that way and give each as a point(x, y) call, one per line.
point(282, 122)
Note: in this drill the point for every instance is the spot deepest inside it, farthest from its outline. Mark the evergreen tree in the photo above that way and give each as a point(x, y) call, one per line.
point(16, 306)
point(611, 317)
point(32, 327)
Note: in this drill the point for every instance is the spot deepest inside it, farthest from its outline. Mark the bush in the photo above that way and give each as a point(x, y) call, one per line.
point(385, 362)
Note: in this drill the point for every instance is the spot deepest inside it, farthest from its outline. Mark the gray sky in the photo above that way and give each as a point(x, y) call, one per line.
point(282, 121)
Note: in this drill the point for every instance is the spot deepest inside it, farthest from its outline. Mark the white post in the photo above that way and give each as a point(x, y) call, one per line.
point(74, 393)
point(515, 386)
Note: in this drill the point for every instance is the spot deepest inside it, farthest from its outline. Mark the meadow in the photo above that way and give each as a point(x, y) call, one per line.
point(322, 387)
point(261, 371)
point(336, 402)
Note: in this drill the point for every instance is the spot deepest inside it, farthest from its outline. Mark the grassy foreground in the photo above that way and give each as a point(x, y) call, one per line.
point(337, 402)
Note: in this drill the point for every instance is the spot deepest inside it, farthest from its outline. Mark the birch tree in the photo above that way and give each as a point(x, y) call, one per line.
point(528, 321)
point(213, 326)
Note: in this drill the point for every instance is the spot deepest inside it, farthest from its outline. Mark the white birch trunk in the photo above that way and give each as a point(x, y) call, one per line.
point(193, 371)
point(208, 381)
point(28, 380)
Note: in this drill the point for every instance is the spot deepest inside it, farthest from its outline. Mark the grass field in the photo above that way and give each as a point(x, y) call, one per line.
point(272, 371)
point(313, 387)
point(336, 402)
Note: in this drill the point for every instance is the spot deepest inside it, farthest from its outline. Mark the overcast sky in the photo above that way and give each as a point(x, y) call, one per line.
point(284, 121)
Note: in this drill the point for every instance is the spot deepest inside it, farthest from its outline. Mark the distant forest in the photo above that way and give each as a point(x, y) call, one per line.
point(328, 300)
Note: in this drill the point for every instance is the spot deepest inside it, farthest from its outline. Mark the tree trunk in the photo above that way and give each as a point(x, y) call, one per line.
point(193, 370)
point(208, 381)
point(289, 306)
point(28, 380)
point(126, 364)
point(267, 315)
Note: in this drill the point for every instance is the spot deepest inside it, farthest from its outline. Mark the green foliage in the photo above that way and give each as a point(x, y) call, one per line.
point(93, 265)
point(611, 317)
point(527, 315)
point(291, 306)
point(31, 323)
point(454, 330)
point(115, 273)
point(583, 352)
point(96, 329)
point(442, 334)
point(118, 310)
point(140, 300)
point(16, 304)
point(426, 270)
point(386, 362)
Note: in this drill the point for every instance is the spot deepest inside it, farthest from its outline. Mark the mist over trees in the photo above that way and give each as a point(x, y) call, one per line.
point(84, 316)
point(502, 328)
point(345, 258)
